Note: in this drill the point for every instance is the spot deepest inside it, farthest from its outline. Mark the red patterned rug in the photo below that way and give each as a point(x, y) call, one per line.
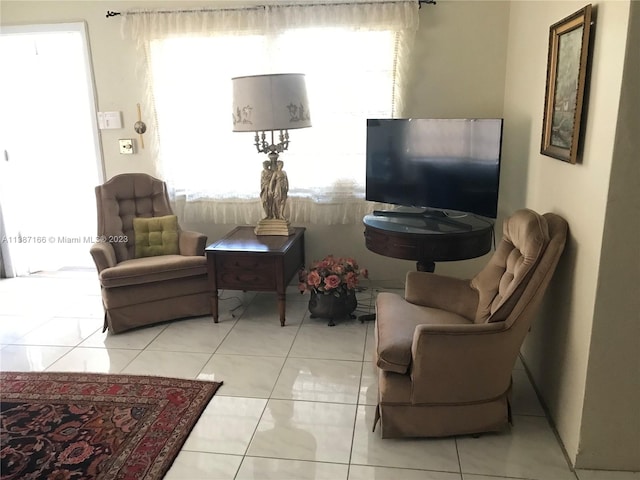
point(72, 426)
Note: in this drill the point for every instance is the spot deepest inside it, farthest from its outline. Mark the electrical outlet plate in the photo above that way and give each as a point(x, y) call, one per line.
point(126, 146)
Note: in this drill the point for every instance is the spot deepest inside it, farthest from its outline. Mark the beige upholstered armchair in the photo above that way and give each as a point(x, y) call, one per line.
point(445, 352)
point(154, 273)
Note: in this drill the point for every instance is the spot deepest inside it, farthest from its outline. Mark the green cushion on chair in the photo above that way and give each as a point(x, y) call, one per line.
point(156, 236)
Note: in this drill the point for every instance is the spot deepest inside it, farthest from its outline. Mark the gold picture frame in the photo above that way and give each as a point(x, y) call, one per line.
point(566, 78)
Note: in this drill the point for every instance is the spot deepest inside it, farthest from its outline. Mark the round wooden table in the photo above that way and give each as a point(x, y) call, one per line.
point(443, 237)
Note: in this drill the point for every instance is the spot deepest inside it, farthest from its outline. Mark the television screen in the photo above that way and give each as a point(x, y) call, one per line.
point(435, 163)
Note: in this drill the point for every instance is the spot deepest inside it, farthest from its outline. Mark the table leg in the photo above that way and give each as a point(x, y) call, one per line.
point(282, 306)
point(214, 306)
point(425, 265)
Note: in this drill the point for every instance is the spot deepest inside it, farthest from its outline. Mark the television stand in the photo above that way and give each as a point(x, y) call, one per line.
point(428, 240)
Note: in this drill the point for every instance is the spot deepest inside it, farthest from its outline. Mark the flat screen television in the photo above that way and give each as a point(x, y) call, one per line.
point(442, 164)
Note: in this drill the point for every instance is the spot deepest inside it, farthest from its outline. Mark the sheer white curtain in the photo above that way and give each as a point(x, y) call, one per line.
point(354, 57)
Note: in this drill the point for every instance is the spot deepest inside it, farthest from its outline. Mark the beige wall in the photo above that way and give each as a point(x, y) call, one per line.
point(557, 349)
point(612, 396)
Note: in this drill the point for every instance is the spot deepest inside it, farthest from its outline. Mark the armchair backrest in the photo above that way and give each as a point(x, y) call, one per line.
point(123, 198)
point(521, 267)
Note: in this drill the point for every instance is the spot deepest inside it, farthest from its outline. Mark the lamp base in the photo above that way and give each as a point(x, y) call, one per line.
point(274, 226)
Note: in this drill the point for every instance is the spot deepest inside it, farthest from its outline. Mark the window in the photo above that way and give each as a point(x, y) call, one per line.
point(351, 74)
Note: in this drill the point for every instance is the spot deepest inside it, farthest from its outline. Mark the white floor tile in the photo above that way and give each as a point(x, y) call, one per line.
point(86, 306)
point(22, 302)
point(524, 400)
point(250, 338)
point(203, 466)
point(226, 425)
point(370, 344)
point(263, 310)
point(96, 360)
point(168, 364)
point(528, 450)
point(244, 375)
point(344, 341)
point(304, 431)
point(232, 304)
point(423, 454)
point(368, 384)
point(606, 475)
point(470, 476)
point(136, 339)
point(29, 358)
point(192, 335)
point(13, 327)
point(319, 380)
point(257, 468)
point(61, 332)
point(362, 472)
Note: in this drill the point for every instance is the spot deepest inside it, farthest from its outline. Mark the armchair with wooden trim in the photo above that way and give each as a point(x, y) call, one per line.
point(150, 270)
point(445, 352)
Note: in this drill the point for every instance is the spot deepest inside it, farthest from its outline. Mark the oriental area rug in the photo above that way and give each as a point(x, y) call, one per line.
point(68, 426)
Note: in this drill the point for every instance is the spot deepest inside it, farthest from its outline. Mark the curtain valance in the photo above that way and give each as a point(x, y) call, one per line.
point(146, 25)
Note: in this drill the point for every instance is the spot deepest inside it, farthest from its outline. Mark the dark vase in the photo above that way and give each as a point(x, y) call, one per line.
point(331, 306)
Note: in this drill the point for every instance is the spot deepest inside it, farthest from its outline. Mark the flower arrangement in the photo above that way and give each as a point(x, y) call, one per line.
point(332, 276)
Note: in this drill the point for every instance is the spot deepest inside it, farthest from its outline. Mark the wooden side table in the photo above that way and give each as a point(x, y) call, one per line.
point(242, 260)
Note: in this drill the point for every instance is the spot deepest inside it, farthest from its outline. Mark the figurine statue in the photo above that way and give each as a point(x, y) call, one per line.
point(266, 195)
point(279, 188)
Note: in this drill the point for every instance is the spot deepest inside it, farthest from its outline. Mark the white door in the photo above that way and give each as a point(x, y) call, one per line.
point(51, 158)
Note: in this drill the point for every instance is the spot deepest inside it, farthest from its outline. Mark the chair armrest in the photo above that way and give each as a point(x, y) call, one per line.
point(462, 363)
point(192, 243)
point(104, 256)
point(439, 291)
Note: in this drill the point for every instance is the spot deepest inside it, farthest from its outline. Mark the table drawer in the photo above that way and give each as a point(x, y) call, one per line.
point(391, 246)
point(249, 262)
point(245, 273)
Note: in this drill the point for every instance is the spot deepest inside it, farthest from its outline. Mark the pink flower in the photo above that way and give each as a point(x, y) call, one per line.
point(351, 280)
point(332, 281)
point(314, 279)
point(331, 274)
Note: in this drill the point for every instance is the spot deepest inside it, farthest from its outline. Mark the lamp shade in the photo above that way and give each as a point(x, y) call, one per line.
point(270, 102)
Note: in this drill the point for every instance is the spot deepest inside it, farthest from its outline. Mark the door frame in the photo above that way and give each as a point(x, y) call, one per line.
point(80, 27)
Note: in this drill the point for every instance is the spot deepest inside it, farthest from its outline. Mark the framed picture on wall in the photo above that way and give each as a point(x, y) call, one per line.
point(566, 77)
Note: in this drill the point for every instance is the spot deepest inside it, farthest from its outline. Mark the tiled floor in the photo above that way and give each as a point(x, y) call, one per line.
point(297, 402)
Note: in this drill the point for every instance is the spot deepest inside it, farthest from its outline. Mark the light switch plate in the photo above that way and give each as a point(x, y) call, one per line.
point(126, 146)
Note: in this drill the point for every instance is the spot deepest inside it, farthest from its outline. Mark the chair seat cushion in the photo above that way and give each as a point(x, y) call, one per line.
point(153, 269)
point(396, 320)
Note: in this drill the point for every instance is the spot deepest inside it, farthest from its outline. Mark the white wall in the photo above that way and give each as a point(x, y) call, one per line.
point(557, 349)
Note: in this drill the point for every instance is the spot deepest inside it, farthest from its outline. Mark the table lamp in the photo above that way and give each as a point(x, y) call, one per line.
point(268, 104)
